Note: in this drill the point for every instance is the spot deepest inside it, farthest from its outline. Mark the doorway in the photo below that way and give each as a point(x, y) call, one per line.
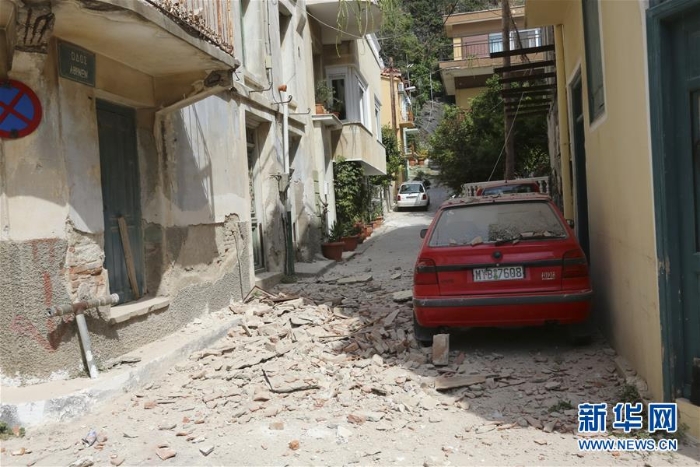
point(121, 199)
point(674, 82)
point(255, 200)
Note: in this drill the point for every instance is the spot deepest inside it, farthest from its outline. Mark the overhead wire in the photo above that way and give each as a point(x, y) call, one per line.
point(512, 125)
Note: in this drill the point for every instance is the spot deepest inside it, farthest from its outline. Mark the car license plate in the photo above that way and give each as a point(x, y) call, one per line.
point(412, 196)
point(507, 273)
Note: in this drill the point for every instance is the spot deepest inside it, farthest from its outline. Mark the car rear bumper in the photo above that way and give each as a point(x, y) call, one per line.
point(505, 310)
point(412, 203)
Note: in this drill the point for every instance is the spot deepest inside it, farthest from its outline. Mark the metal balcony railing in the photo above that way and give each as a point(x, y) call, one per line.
point(208, 19)
point(476, 49)
point(470, 189)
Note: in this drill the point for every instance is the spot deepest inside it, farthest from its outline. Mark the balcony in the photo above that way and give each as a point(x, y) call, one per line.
point(187, 40)
point(472, 64)
point(357, 143)
point(406, 120)
point(354, 18)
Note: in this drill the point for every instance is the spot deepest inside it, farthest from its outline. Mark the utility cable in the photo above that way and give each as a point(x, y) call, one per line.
point(512, 125)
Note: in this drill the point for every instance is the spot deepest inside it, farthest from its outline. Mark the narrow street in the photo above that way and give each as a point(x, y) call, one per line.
point(303, 383)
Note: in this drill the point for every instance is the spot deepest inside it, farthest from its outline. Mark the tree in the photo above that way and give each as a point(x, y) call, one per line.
point(413, 33)
point(467, 144)
point(394, 161)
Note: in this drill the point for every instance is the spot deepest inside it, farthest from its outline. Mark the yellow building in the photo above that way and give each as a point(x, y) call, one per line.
point(475, 35)
point(402, 118)
point(627, 128)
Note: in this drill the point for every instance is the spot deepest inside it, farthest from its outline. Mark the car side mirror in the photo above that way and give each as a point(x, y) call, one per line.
point(423, 233)
point(570, 222)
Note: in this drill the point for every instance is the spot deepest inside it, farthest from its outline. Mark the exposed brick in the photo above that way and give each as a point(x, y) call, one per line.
point(78, 269)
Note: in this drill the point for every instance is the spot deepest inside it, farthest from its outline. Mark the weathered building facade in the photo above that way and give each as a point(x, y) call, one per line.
point(625, 138)
point(119, 143)
point(176, 164)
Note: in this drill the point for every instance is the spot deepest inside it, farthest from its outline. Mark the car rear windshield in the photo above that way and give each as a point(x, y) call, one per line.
point(488, 223)
point(411, 188)
point(525, 188)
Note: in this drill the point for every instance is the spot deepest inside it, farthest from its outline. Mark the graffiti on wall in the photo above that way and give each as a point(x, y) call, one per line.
point(54, 328)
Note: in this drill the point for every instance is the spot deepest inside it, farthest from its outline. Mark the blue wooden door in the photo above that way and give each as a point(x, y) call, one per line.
point(120, 195)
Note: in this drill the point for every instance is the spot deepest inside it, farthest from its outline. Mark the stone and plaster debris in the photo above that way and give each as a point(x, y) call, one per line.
point(441, 349)
point(327, 372)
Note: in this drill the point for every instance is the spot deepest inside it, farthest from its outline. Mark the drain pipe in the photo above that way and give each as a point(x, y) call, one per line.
point(78, 308)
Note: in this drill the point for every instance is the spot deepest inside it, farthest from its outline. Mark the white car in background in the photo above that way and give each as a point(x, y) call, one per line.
point(413, 195)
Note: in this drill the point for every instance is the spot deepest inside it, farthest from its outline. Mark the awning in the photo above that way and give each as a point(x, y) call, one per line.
point(345, 20)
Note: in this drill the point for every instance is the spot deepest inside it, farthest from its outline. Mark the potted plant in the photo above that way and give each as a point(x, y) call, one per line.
point(324, 95)
point(336, 107)
point(350, 237)
point(360, 229)
point(369, 227)
point(378, 218)
point(332, 248)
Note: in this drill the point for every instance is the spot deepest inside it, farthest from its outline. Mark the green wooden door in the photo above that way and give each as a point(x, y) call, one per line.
point(686, 165)
point(120, 195)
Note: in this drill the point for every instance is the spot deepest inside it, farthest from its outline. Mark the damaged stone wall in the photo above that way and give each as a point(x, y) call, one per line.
point(84, 263)
point(52, 248)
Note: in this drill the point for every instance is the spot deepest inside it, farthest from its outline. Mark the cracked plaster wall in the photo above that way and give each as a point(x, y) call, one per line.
point(195, 213)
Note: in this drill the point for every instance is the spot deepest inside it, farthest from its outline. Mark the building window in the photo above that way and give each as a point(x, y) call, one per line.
point(495, 42)
point(363, 112)
point(594, 59)
point(377, 119)
point(339, 98)
point(287, 49)
point(351, 95)
point(252, 28)
point(528, 38)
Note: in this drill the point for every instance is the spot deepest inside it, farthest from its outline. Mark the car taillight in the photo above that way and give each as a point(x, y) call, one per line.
point(425, 273)
point(398, 197)
point(425, 196)
point(575, 264)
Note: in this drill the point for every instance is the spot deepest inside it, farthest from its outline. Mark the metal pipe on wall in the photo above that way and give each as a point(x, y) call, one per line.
point(78, 308)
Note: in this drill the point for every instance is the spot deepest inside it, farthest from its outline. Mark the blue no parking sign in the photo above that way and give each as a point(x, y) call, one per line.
point(20, 110)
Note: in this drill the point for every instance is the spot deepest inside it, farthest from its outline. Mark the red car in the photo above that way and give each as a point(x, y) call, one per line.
point(506, 187)
point(511, 260)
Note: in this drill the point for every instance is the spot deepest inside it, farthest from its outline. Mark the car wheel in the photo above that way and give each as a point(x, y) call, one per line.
point(422, 334)
point(579, 335)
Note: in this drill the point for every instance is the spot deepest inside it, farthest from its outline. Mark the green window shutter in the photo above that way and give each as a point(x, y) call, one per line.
point(594, 58)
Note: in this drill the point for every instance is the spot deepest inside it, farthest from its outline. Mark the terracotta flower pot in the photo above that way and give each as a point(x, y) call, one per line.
point(320, 109)
point(378, 221)
point(350, 242)
point(333, 250)
point(411, 162)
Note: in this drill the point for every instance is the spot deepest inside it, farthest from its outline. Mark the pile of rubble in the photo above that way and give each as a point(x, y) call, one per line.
point(291, 353)
point(339, 355)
